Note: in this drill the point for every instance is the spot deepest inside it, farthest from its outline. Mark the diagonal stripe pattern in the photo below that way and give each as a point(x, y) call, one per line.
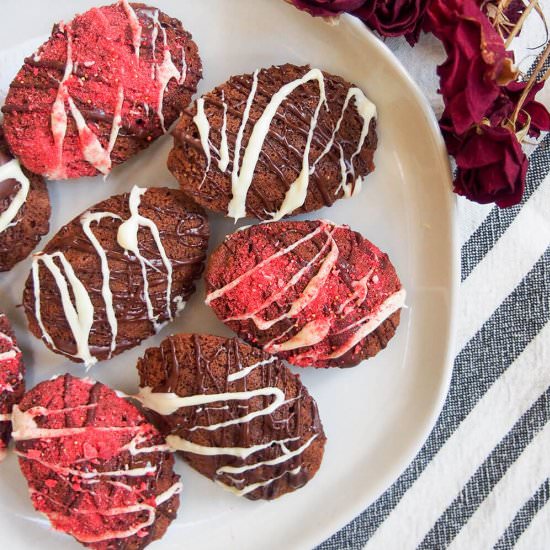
point(482, 479)
point(498, 221)
point(487, 476)
point(516, 324)
point(524, 516)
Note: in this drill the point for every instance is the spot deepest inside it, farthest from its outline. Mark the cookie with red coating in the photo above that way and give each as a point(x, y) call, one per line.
point(281, 141)
point(101, 89)
point(311, 292)
point(96, 468)
point(12, 380)
point(238, 416)
point(130, 261)
point(24, 209)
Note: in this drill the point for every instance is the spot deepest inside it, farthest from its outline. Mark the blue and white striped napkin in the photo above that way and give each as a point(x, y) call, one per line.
point(482, 479)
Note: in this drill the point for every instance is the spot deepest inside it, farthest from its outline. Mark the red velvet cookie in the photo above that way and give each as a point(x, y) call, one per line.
point(12, 380)
point(116, 274)
point(280, 141)
point(24, 209)
point(95, 467)
point(102, 88)
point(238, 415)
point(312, 292)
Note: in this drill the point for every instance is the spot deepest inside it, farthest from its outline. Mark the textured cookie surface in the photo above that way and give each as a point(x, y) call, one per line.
point(281, 141)
point(12, 380)
point(24, 209)
point(313, 293)
point(102, 88)
point(239, 416)
point(116, 274)
point(95, 467)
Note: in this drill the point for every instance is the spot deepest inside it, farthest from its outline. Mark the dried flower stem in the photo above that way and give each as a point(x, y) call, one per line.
point(521, 20)
point(531, 82)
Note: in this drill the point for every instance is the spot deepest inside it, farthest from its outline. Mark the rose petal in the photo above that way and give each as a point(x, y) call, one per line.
point(326, 8)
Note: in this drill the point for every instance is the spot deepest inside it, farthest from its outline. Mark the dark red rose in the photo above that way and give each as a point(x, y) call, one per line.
point(491, 167)
point(503, 18)
point(394, 17)
point(326, 8)
point(452, 140)
point(532, 111)
point(477, 61)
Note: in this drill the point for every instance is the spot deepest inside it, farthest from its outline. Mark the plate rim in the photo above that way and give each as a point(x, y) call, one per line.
point(355, 509)
point(361, 500)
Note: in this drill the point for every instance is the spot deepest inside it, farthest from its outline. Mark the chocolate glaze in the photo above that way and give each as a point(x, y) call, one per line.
point(189, 241)
point(195, 370)
point(283, 149)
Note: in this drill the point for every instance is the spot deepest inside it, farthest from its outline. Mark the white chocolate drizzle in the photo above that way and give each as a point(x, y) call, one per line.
point(168, 403)
point(127, 238)
point(223, 161)
point(201, 122)
point(133, 509)
point(218, 293)
point(287, 455)
point(247, 370)
point(166, 70)
point(316, 330)
point(117, 120)
point(12, 170)
point(6, 356)
point(59, 115)
point(370, 323)
point(308, 295)
point(179, 444)
point(253, 486)
point(91, 474)
point(93, 152)
point(86, 221)
point(296, 194)
point(80, 319)
point(25, 429)
point(367, 111)
point(135, 25)
point(361, 289)
point(241, 184)
point(310, 334)
point(241, 176)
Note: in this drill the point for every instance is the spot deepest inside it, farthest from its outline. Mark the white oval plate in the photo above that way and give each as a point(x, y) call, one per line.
point(377, 415)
